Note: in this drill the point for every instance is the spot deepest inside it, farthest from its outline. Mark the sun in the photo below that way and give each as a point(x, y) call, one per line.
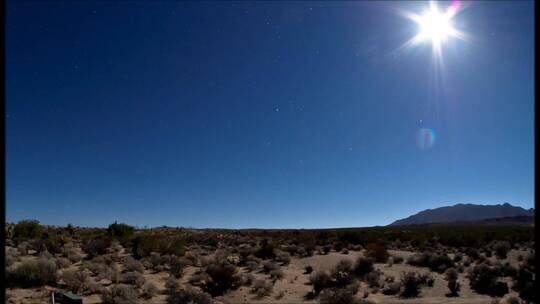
point(435, 26)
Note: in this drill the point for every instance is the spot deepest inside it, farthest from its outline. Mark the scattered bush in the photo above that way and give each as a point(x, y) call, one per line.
point(75, 280)
point(337, 296)
point(130, 264)
point(373, 279)
point(262, 288)
point(33, 273)
point(265, 250)
point(177, 266)
point(391, 289)
point(483, 280)
point(501, 249)
point(411, 284)
point(96, 246)
point(363, 266)
point(133, 278)
point(451, 275)
point(188, 296)
point(222, 277)
point(149, 290)
point(320, 280)
point(377, 251)
point(119, 294)
point(308, 269)
point(276, 274)
point(27, 229)
point(120, 231)
point(342, 273)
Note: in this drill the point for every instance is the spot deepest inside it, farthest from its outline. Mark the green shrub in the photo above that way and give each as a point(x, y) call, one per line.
point(120, 231)
point(27, 229)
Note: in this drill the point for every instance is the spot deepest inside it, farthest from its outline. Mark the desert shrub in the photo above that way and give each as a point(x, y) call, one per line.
point(337, 296)
point(130, 264)
point(265, 250)
point(319, 280)
point(177, 266)
point(391, 288)
point(75, 280)
point(188, 296)
point(262, 288)
point(120, 231)
point(246, 279)
point(171, 284)
point(501, 249)
point(23, 248)
point(308, 269)
point(62, 263)
point(524, 284)
point(342, 273)
point(276, 274)
point(458, 257)
point(451, 275)
point(92, 287)
point(373, 279)
point(145, 245)
point(345, 251)
point(133, 278)
point(411, 284)
point(10, 260)
point(426, 279)
point(252, 265)
point(32, 273)
point(377, 251)
point(363, 266)
point(149, 290)
point(96, 246)
point(472, 253)
point(27, 229)
point(119, 294)
point(512, 300)
point(269, 266)
point(283, 257)
point(72, 255)
point(326, 249)
point(435, 262)
point(222, 277)
point(483, 280)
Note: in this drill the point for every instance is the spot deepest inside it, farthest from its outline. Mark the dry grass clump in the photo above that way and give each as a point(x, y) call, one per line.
point(130, 264)
point(338, 296)
point(32, 273)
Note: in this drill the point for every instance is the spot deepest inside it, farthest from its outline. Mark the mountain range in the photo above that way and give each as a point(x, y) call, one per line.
point(470, 213)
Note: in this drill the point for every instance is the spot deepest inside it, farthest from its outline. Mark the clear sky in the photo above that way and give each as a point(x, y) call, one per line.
point(263, 114)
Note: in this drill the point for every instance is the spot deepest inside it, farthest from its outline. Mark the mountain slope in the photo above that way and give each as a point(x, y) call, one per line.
point(463, 213)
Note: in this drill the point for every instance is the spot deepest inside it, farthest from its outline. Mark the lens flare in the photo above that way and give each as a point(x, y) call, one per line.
point(425, 138)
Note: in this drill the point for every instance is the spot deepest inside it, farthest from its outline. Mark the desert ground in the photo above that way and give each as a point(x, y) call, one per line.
point(122, 264)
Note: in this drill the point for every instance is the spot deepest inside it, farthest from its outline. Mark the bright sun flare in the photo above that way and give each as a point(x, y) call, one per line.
point(435, 26)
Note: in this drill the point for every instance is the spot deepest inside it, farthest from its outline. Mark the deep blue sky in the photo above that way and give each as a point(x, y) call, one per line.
point(240, 114)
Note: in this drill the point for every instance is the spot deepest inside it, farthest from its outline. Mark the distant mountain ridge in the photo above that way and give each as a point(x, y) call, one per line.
point(464, 213)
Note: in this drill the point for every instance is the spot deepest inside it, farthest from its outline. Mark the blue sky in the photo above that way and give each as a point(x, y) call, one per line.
point(262, 114)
